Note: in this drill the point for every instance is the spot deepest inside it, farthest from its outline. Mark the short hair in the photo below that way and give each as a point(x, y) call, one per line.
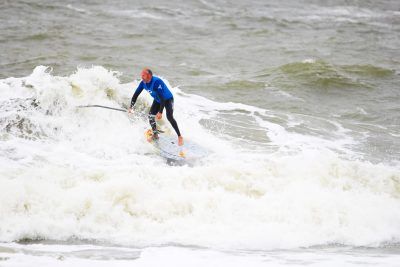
point(149, 71)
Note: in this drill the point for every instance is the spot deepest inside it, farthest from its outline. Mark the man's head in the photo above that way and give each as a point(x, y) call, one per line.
point(146, 75)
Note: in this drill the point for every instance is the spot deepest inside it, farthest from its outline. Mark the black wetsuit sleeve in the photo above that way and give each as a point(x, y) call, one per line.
point(136, 94)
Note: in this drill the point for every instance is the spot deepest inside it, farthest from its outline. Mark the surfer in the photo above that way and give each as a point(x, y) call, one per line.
point(162, 98)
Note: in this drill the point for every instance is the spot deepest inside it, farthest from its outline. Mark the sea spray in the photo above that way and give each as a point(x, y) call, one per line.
point(89, 174)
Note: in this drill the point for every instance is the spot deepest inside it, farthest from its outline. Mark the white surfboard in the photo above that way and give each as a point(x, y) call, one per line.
point(167, 147)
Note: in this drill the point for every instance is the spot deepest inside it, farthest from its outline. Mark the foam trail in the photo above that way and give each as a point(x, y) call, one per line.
point(88, 174)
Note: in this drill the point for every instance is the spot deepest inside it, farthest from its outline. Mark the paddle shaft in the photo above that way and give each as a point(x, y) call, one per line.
point(117, 109)
point(100, 106)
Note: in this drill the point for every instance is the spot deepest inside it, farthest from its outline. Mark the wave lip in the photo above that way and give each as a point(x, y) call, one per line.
point(368, 70)
point(319, 74)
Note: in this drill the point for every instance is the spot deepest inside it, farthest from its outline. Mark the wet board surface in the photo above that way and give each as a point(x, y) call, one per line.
point(167, 147)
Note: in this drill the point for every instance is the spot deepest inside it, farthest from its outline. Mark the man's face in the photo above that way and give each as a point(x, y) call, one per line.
point(146, 77)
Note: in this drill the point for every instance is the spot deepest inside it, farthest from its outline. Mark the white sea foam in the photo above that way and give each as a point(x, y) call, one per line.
point(77, 9)
point(91, 255)
point(136, 13)
point(309, 60)
point(88, 174)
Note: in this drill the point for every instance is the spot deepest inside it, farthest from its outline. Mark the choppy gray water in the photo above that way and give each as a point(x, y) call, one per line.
point(277, 78)
point(334, 60)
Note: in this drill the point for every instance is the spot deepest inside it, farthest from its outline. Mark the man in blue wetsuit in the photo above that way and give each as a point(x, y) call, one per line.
point(162, 98)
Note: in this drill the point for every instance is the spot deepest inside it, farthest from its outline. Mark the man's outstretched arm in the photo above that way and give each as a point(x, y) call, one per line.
point(136, 94)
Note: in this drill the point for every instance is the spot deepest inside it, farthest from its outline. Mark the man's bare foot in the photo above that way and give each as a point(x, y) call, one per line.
point(180, 141)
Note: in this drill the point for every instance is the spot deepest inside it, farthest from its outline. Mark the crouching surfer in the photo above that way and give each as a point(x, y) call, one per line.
point(163, 98)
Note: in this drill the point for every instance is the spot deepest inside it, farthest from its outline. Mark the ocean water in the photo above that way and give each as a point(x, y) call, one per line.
point(297, 104)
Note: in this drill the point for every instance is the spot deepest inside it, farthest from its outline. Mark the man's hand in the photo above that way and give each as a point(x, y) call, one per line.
point(159, 116)
point(130, 110)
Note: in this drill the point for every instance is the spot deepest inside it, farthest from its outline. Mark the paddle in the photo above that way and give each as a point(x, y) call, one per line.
point(117, 109)
point(100, 106)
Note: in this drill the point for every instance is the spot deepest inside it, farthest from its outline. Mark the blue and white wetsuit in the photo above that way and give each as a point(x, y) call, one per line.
point(162, 98)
